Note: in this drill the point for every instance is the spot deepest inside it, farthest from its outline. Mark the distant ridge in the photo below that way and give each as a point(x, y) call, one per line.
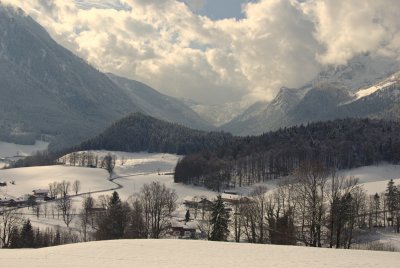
point(138, 132)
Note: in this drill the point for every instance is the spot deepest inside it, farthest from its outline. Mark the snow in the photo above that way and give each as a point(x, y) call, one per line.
point(393, 79)
point(185, 253)
point(141, 168)
point(11, 149)
point(32, 178)
point(368, 91)
point(138, 169)
point(375, 178)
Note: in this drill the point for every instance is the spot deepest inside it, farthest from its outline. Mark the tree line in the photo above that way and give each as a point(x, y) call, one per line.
point(315, 208)
point(339, 144)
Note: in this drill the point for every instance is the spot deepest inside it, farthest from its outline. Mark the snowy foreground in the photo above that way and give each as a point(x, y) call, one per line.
point(181, 253)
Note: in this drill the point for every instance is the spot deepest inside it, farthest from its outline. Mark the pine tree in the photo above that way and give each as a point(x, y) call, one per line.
point(187, 216)
point(393, 203)
point(219, 221)
point(27, 236)
point(115, 222)
point(15, 239)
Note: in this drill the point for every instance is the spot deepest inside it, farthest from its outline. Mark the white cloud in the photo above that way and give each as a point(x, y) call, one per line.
point(162, 43)
point(347, 28)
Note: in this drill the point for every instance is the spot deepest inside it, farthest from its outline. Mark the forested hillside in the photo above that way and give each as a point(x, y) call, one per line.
point(139, 132)
point(337, 144)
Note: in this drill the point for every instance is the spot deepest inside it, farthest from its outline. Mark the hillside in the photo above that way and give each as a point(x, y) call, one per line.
point(152, 102)
point(47, 91)
point(178, 253)
point(138, 133)
point(340, 144)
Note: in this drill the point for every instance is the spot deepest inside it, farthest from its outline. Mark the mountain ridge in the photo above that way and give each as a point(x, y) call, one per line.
point(48, 92)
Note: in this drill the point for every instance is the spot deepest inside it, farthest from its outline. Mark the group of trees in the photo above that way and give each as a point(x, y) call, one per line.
point(146, 215)
point(339, 144)
point(91, 159)
point(315, 208)
point(28, 237)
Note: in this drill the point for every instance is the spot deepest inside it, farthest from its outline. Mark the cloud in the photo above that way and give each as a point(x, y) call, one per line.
point(347, 28)
point(164, 44)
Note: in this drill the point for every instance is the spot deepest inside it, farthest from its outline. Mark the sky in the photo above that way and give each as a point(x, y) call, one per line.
point(217, 51)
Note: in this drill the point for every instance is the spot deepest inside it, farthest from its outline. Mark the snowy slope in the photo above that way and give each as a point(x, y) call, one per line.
point(375, 178)
point(183, 254)
point(395, 78)
point(133, 170)
point(28, 179)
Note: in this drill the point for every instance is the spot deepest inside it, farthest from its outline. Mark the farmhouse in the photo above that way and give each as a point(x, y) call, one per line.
point(40, 193)
point(184, 230)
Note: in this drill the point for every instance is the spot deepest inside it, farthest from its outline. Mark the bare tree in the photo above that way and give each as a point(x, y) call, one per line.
point(109, 163)
point(63, 188)
point(9, 222)
point(260, 209)
point(158, 203)
point(64, 204)
point(76, 186)
point(310, 190)
point(86, 215)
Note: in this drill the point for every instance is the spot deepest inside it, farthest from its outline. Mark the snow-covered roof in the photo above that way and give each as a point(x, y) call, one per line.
point(182, 224)
point(41, 191)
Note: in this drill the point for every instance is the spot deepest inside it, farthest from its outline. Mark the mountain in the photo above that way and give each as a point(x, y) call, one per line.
point(335, 93)
point(158, 105)
point(263, 116)
point(138, 133)
point(47, 91)
point(219, 114)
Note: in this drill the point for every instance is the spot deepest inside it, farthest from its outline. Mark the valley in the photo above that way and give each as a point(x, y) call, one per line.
point(152, 133)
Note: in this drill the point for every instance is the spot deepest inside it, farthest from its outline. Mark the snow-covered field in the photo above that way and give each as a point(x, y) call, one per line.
point(133, 170)
point(375, 178)
point(33, 178)
point(183, 254)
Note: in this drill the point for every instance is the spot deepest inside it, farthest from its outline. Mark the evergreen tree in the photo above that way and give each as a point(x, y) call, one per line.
point(57, 238)
point(114, 224)
point(187, 216)
point(219, 221)
point(27, 235)
point(393, 203)
point(15, 239)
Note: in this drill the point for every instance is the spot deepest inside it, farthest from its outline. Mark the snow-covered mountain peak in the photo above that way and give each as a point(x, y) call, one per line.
point(360, 72)
point(391, 80)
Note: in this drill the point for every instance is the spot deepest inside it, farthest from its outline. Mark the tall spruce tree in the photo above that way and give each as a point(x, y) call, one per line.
point(114, 224)
point(27, 235)
point(219, 221)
